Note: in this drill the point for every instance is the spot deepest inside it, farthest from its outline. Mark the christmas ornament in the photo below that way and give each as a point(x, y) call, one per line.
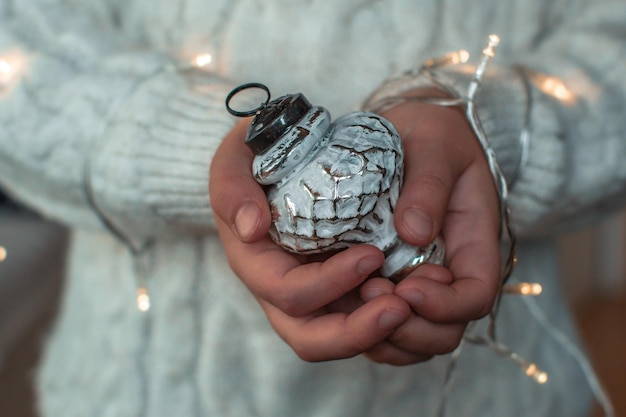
point(331, 185)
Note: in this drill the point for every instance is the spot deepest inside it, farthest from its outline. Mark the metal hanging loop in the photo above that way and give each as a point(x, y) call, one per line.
point(241, 88)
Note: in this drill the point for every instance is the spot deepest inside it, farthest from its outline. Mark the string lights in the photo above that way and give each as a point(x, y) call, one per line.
point(13, 64)
point(523, 288)
point(202, 60)
point(6, 71)
point(455, 57)
point(554, 87)
point(531, 369)
point(557, 89)
point(143, 302)
point(137, 249)
point(143, 299)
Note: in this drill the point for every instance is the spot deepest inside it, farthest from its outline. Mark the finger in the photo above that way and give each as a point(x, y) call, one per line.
point(467, 298)
point(473, 255)
point(297, 288)
point(423, 202)
point(473, 260)
point(339, 335)
point(436, 154)
point(420, 336)
point(376, 287)
point(436, 273)
point(236, 198)
point(385, 352)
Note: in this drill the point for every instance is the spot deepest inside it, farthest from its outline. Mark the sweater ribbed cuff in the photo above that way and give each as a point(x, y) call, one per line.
point(152, 172)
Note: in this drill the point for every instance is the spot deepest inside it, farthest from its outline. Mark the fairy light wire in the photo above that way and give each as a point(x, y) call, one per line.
point(12, 65)
point(526, 290)
point(562, 339)
point(138, 249)
point(506, 230)
point(507, 234)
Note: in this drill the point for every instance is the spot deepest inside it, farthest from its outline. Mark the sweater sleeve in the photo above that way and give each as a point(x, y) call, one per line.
point(553, 113)
point(97, 129)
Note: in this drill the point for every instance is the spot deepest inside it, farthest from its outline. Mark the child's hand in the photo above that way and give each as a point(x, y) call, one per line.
point(448, 189)
point(314, 306)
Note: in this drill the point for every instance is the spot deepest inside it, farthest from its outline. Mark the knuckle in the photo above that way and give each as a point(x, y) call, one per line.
point(287, 302)
point(431, 183)
point(357, 346)
point(343, 284)
point(427, 192)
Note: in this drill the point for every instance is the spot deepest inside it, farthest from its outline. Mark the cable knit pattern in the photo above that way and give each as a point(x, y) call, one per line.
point(107, 121)
point(155, 157)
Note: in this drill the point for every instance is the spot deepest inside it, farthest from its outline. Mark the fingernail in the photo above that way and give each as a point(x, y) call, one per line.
point(247, 220)
point(390, 319)
point(413, 297)
point(367, 265)
point(418, 224)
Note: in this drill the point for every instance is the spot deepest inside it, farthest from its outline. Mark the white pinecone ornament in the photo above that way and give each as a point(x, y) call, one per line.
point(331, 185)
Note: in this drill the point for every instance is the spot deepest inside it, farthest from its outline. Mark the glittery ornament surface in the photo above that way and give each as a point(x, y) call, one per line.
point(331, 185)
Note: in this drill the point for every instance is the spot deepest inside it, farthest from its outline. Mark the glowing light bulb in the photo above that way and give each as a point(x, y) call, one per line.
point(456, 57)
point(523, 288)
point(143, 299)
point(202, 60)
point(535, 289)
point(541, 377)
point(6, 71)
point(555, 87)
point(537, 374)
point(529, 368)
point(3, 253)
point(463, 55)
point(12, 66)
point(490, 49)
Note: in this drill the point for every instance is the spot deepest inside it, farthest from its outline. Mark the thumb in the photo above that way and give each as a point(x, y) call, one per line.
point(424, 199)
point(435, 141)
point(236, 198)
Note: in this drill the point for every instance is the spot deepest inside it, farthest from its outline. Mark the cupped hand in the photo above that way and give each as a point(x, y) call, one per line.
point(448, 189)
point(330, 310)
point(313, 305)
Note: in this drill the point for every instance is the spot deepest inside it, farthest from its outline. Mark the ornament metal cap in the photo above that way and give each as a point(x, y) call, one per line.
point(272, 118)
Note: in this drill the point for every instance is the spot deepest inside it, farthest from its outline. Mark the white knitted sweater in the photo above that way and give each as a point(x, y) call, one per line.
point(99, 111)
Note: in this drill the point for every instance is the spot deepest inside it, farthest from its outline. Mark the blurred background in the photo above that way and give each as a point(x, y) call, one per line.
point(32, 254)
point(31, 270)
